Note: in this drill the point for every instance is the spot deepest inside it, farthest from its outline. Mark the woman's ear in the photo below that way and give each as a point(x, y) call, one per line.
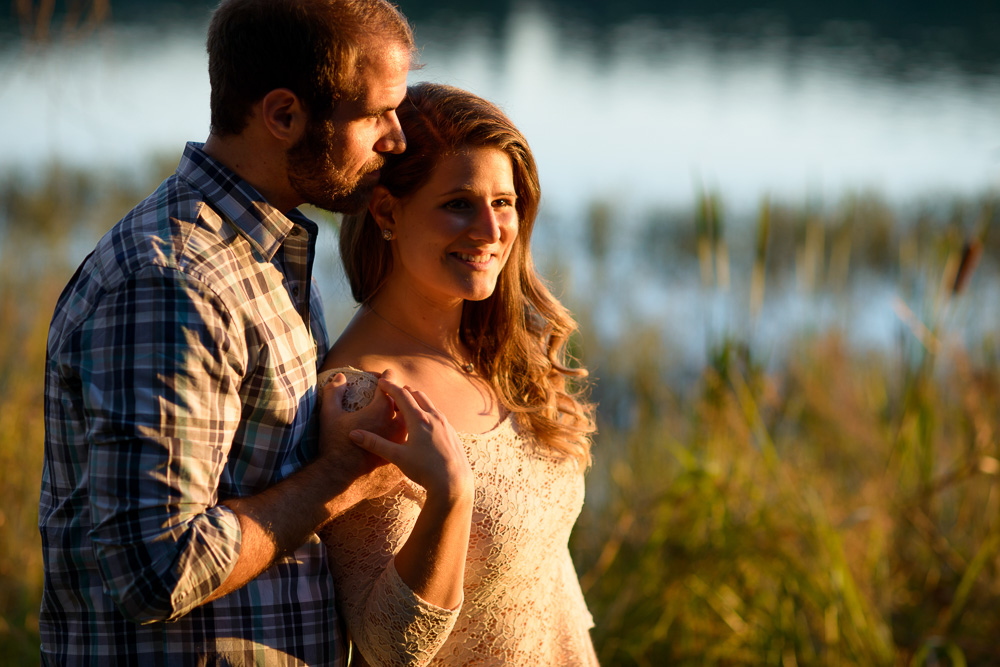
point(382, 207)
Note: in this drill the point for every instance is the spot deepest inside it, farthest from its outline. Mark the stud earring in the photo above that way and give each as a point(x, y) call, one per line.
point(387, 234)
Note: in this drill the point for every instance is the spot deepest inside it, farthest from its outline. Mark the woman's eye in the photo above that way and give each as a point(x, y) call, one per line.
point(503, 202)
point(457, 205)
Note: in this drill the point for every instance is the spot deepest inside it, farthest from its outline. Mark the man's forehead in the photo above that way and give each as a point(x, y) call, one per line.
point(385, 73)
point(387, 54)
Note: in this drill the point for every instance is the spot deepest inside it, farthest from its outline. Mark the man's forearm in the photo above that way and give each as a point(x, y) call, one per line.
point(276, 522)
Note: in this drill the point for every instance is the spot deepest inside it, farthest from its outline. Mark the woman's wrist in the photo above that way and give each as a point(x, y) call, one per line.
point(454, 495)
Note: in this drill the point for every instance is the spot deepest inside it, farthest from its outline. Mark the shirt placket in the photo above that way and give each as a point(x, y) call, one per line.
point(295, 251)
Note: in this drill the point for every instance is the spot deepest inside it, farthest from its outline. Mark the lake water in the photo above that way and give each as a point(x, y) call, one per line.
point(642, 116)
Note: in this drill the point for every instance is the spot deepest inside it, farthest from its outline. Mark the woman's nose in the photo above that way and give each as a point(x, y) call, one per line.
point(486, 226)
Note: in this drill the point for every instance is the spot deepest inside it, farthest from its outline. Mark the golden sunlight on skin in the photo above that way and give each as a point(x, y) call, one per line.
point(454, 235)
point(450, 241)
point(367, 126)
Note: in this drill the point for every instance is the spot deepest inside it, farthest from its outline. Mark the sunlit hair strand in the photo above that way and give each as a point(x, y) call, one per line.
point(518, 335)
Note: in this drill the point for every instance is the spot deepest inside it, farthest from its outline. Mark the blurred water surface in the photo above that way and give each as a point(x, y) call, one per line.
point(630, 105)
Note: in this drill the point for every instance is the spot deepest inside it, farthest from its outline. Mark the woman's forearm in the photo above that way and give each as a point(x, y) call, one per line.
point(432, 561)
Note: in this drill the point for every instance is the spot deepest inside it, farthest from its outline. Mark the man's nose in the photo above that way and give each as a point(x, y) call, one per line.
point(393, 141)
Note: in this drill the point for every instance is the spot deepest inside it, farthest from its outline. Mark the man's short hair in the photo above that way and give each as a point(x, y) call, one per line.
point(315, 48)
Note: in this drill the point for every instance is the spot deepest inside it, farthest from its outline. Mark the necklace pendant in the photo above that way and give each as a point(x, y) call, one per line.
point(469, 368)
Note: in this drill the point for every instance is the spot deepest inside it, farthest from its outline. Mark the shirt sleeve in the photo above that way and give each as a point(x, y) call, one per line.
point(390, 624)
point(161, 395)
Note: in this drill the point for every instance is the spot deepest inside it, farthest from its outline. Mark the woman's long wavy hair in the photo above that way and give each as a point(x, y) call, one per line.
point(517, 335)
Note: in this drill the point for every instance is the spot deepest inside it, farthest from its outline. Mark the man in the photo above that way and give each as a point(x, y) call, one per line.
point(184, 474)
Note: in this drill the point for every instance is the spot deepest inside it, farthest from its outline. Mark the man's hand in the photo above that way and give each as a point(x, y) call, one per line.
point(276, 521)
point(353, 471)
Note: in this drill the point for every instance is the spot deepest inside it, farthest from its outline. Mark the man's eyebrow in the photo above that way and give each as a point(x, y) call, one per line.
point(378, 111)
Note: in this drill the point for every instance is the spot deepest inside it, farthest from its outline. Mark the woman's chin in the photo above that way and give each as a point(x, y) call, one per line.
point(480, 294)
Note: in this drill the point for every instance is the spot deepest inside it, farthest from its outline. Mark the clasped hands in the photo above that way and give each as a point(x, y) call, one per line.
point(399, 433)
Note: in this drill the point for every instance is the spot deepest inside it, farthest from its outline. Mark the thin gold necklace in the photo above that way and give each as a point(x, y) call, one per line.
point(468, 367)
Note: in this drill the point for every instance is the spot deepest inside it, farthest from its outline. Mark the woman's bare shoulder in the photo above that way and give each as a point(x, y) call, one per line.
point(364, 357)
point(348, 356)
point(357, 347)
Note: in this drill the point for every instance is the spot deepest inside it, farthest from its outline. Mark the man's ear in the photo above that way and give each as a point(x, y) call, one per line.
point(284, 115)
point(382, 207)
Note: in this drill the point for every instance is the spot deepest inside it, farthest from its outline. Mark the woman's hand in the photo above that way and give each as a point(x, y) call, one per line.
point(432, 455)
point(432, 561)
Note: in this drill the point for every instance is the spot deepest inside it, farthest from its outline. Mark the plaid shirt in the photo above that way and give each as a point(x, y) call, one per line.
point(181, 371)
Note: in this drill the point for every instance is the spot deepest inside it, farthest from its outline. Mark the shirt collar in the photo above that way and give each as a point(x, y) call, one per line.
point(239, 202)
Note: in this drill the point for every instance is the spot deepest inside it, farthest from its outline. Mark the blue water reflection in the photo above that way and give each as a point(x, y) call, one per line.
point(641, 114)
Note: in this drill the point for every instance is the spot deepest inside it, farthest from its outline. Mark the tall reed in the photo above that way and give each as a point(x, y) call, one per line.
point(831, 507)
point(837, 507)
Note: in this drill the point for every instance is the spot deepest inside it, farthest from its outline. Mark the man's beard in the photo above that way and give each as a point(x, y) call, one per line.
point(316, 177)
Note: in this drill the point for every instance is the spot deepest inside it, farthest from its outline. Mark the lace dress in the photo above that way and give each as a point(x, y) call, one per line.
point(522, 600)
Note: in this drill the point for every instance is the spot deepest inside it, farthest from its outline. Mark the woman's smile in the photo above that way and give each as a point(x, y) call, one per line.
point(452, 237)
point(477, 261)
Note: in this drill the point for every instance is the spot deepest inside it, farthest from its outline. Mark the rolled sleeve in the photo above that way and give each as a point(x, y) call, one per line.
point(161, 390)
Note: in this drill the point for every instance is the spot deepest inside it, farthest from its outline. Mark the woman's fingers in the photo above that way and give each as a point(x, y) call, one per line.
point(432, 456)
point(404, 399)
point(422, 399)
point(379, 446)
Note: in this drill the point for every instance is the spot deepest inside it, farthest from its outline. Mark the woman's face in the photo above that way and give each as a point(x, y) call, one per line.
point(452, 237)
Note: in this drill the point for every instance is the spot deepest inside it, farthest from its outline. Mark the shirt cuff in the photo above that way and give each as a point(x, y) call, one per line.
point(403, 628)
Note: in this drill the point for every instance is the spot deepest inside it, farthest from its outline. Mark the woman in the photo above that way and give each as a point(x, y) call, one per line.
point(467, 562)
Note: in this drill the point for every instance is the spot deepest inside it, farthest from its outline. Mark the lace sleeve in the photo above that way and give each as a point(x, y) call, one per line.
point(389, 623)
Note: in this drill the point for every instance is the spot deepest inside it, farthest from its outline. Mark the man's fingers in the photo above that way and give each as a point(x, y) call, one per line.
point(336, 386)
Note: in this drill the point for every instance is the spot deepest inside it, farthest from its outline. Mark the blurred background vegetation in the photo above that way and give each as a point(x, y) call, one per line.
point(811, 502)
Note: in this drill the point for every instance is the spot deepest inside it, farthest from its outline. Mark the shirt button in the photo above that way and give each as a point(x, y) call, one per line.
point(294, 232)
point(295, 291)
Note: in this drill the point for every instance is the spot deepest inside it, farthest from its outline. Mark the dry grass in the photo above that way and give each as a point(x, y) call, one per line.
point(839, 508)
point(843, 510)
point(24, 314)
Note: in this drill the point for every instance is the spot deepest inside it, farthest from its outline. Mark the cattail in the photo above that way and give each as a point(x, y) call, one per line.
point(721, 248)
point(757, 278)
point(971, 251)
